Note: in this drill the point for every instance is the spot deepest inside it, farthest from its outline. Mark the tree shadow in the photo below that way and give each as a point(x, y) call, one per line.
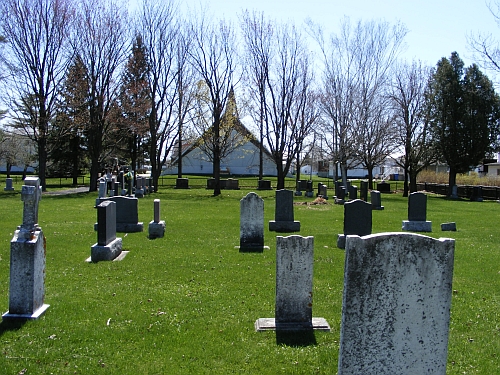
point(296, 338)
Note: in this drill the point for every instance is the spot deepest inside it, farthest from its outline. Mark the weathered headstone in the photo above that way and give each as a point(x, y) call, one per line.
point(156, 227)
point(396, 304)
point(357, 220)
point(252, 223)
point(108, 246)
point(376, 200)
point(127, 214)
point(294, 286)
point(283, 216)
point(417, 214)
point(8, 184)
point(27, 259)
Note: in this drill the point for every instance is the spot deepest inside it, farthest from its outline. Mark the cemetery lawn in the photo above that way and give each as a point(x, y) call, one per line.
point(187, 303)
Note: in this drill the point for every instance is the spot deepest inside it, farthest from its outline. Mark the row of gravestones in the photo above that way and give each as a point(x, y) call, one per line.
point(396, 298)
point(113, 188)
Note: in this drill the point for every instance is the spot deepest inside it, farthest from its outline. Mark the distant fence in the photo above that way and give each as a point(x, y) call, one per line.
point(463, 191)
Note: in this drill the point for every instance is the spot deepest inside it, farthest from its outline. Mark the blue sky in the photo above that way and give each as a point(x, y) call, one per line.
point(436, 27)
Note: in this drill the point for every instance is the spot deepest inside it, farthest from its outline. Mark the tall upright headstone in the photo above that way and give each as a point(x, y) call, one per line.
point(139, 190)
point(357, 220)
point(251, 223)
point(417, 214)
point(283, 215)
point(396, 304)
point(108, 246)
point(294, 286)
point(27, 259)
point(363, 191)
point(156, 227)
point(127, 214)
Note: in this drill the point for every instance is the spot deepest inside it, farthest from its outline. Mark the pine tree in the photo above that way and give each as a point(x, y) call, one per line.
point(464, 112)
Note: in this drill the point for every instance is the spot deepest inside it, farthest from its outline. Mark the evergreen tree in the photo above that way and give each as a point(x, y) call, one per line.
point(135, 99)
point(464, 114)
point(68, 151)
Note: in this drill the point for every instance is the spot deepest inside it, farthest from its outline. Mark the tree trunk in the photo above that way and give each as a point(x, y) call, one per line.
point(8, 167)
point(413, 182)
point(452, 181)
point(343, 172)
point(405, 185)
point(370, 177)
point(280, 184)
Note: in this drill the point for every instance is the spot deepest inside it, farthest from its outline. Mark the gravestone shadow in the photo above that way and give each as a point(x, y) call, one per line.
point(8, 325)
point(295, 338)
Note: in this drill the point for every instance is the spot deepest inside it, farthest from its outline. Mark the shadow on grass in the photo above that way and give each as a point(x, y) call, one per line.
point(295, 338)
point(11, 325)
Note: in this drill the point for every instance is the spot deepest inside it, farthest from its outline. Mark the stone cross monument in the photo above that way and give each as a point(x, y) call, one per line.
point(27, 259)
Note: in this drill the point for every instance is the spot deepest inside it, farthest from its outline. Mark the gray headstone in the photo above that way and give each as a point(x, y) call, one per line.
point(294, 280)
point(284, 217)
point(449, 227)
point(102, 188)
point(27, 259)
point(417, 207)
point(127, 214)
point(31, 193)
point(8, 184)
point(156, 228)
point(156, 211)
point(251, 223)
point(396, 304)
point(106, 222)
point(376, 200)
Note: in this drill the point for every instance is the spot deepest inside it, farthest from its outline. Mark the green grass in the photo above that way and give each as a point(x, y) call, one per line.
point(187, 303)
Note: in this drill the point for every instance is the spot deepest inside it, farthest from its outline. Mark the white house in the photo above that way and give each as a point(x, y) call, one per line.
point(243, 160)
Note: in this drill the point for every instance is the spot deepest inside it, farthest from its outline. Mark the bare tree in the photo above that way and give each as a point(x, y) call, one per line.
point(171, 81)
point(486, 47)
point(257, 32)
point(36, 32)
point(101, 41)
point(357, 64)
point(281, 69)
point(213, 56)
point(408, 105)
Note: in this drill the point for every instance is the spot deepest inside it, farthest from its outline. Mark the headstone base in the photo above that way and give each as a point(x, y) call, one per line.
point(252, 249)
point(270, 324)
point(130, 227)
point(309, 194)
point(106, 252)
point(139, 193)
point(449, 227)
point(379, 208)
point(8, 189)
point(284, 226)
point(39, 312)
point(298, 193)
point(417, 226)
point(156, 230)
point(339, 201)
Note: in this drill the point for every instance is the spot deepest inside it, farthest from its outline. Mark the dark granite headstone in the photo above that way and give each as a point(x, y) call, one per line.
point(106, 222)
point(283, 216)
point(363, 191)
point(417, 207)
